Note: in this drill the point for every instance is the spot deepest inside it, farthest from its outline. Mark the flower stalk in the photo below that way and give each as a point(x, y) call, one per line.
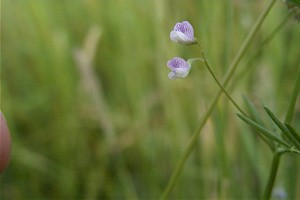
point(217, 81)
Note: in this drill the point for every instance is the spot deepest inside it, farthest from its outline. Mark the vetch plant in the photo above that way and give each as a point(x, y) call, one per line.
point(183, 33)
point(180, 68)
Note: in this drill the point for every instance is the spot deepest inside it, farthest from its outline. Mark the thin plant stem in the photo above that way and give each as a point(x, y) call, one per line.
point(272, 176)
point(228, 76)
point(216, 79)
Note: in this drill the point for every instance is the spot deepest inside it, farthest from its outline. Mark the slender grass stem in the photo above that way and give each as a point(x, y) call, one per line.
point(227, 78)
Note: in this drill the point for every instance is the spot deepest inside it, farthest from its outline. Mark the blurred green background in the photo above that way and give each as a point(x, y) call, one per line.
point(93, 115)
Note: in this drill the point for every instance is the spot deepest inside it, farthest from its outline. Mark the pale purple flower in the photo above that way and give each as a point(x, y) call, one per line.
point(183, 33)
point(180, 68)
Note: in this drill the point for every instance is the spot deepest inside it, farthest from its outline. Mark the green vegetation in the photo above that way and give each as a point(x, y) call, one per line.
point(93, 115)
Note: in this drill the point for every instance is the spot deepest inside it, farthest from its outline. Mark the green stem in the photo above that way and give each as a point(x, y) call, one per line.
point(273, 172)
point(291, 150)
point(215, 78)
point(272, 176)
point(227, 78)
point(291, 108)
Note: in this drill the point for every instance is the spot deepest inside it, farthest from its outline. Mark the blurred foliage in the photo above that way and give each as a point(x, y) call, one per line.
point(92, 113)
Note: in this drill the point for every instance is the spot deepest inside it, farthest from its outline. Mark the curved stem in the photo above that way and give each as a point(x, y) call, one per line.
point(215, 78)
point(228, 76)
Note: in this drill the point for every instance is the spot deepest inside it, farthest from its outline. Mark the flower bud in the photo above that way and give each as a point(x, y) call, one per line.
point(183, 33)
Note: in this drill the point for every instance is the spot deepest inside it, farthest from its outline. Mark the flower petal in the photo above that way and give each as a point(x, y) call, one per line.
point(172, 75)
point(183, 38)
point(188, 29)
point(181, 72)
point(174, 36)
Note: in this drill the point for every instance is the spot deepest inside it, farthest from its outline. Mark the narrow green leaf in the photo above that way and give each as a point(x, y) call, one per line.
point(293, 132)
point(276, 120)
point(262, 130)
point(291, 150)
point(282, 127)
point(255, 114)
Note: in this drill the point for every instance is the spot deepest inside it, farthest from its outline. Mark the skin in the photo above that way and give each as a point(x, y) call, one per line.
point(5, 143)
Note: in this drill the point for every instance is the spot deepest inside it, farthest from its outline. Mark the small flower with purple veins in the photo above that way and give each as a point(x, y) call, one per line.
point(183, 33)
point(180, 68)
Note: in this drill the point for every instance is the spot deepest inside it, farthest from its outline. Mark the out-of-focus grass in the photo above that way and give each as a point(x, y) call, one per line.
point(122, 138)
